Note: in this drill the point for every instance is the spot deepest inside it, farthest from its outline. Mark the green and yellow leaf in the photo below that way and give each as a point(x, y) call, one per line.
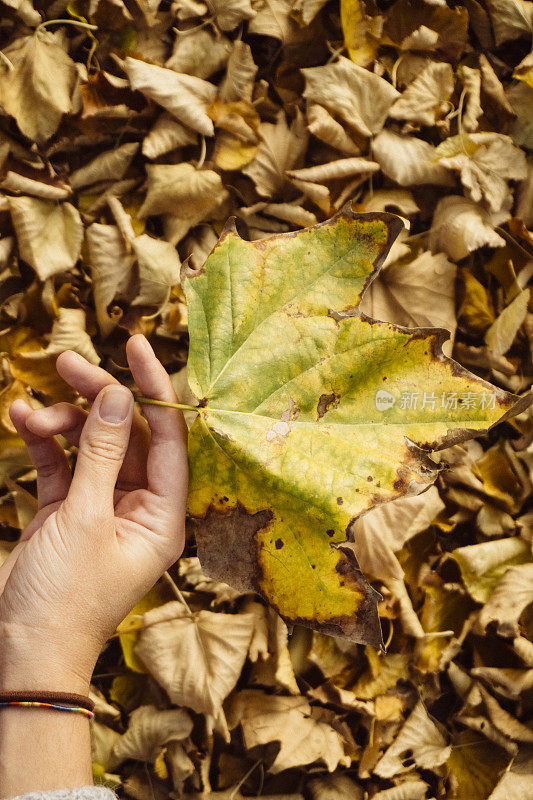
point(312, 413)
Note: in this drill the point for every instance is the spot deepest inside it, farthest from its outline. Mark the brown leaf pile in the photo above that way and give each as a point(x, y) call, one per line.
point(130, 130)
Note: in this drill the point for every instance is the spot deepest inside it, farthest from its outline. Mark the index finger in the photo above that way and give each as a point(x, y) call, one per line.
point(167, 465)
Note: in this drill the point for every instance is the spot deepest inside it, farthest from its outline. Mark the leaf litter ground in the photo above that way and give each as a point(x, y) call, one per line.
point(129, 134)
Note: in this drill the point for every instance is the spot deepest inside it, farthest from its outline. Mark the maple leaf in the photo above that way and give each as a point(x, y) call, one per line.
point(311, 414)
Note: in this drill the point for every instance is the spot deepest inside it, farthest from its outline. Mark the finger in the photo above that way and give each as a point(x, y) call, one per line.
point(65, 419)
point(103, 445)
point(167, 459)
point(68, 420)
point(47, 455)
point(88, 380)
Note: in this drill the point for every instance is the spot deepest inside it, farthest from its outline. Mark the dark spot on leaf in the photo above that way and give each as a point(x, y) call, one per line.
point(279, 544)
point(202, 403)
point(325, 403)
point(225, 498)
point(340, 501)
point(228, 544)
point(370, 478)
point(223, 435)
point(330, 532)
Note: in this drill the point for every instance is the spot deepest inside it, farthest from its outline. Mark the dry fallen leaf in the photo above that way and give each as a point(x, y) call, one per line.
point(419, 740)
point(304, 734)
point(355, 95)
point(197, 658)
point(148, 731)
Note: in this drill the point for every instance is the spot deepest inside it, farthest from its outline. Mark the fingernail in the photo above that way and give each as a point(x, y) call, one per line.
point(116, 404)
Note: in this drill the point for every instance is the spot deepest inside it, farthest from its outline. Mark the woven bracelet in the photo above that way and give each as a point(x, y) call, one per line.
point(61, 701)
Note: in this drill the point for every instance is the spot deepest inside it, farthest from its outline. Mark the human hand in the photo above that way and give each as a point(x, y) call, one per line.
point(103, 536)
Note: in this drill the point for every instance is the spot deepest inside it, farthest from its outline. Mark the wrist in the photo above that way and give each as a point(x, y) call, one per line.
point(31, 660)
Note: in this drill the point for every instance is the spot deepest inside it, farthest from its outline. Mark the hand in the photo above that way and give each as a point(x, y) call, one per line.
point(104, 535)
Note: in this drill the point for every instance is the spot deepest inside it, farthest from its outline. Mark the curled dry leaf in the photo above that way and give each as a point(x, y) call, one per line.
point(21, 184)
point(408, 16)
point(382, 532)
point(510, 19)
point(353, 94)
point(148, 731)
point(281, 148)
point(199, 52)
point(483, 565)
point(460, 226)
point(186, 97)
point(103, 739)
point(159, 270)
point(408, 160)
point(471, 79)
point(510, 597)
point(273, 18)
point(328, 130)
point(49, 234)
point(475, 766)
point(485, 163)
point(401, 294)
point(230, 13)
point(69, 333)
point(25, 10)
point(503, 330)
point(110, 165)
point(426, 99)
point(419, 741)
point(342, 168)
point(39, 87)
point(181, 190)
point(383, 673)
point(361, 32)
point(167, 134)
point(303, 732)
point(197, 658)
point(111, 263)
point(238, 83)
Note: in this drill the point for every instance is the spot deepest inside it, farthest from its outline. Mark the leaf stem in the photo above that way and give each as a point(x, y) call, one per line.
point(242, 780)
point(6, 61)
point(75, 22)
point(175, 588)
point(151, 402)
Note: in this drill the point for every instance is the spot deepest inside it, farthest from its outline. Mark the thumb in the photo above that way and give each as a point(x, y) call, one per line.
point(103, 444)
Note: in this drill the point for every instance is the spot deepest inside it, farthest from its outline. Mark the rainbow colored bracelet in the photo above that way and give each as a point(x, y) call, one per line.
point(76, 709)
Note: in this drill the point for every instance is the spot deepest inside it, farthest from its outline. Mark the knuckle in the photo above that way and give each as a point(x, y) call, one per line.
point(46, 469)
point(100, 449)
